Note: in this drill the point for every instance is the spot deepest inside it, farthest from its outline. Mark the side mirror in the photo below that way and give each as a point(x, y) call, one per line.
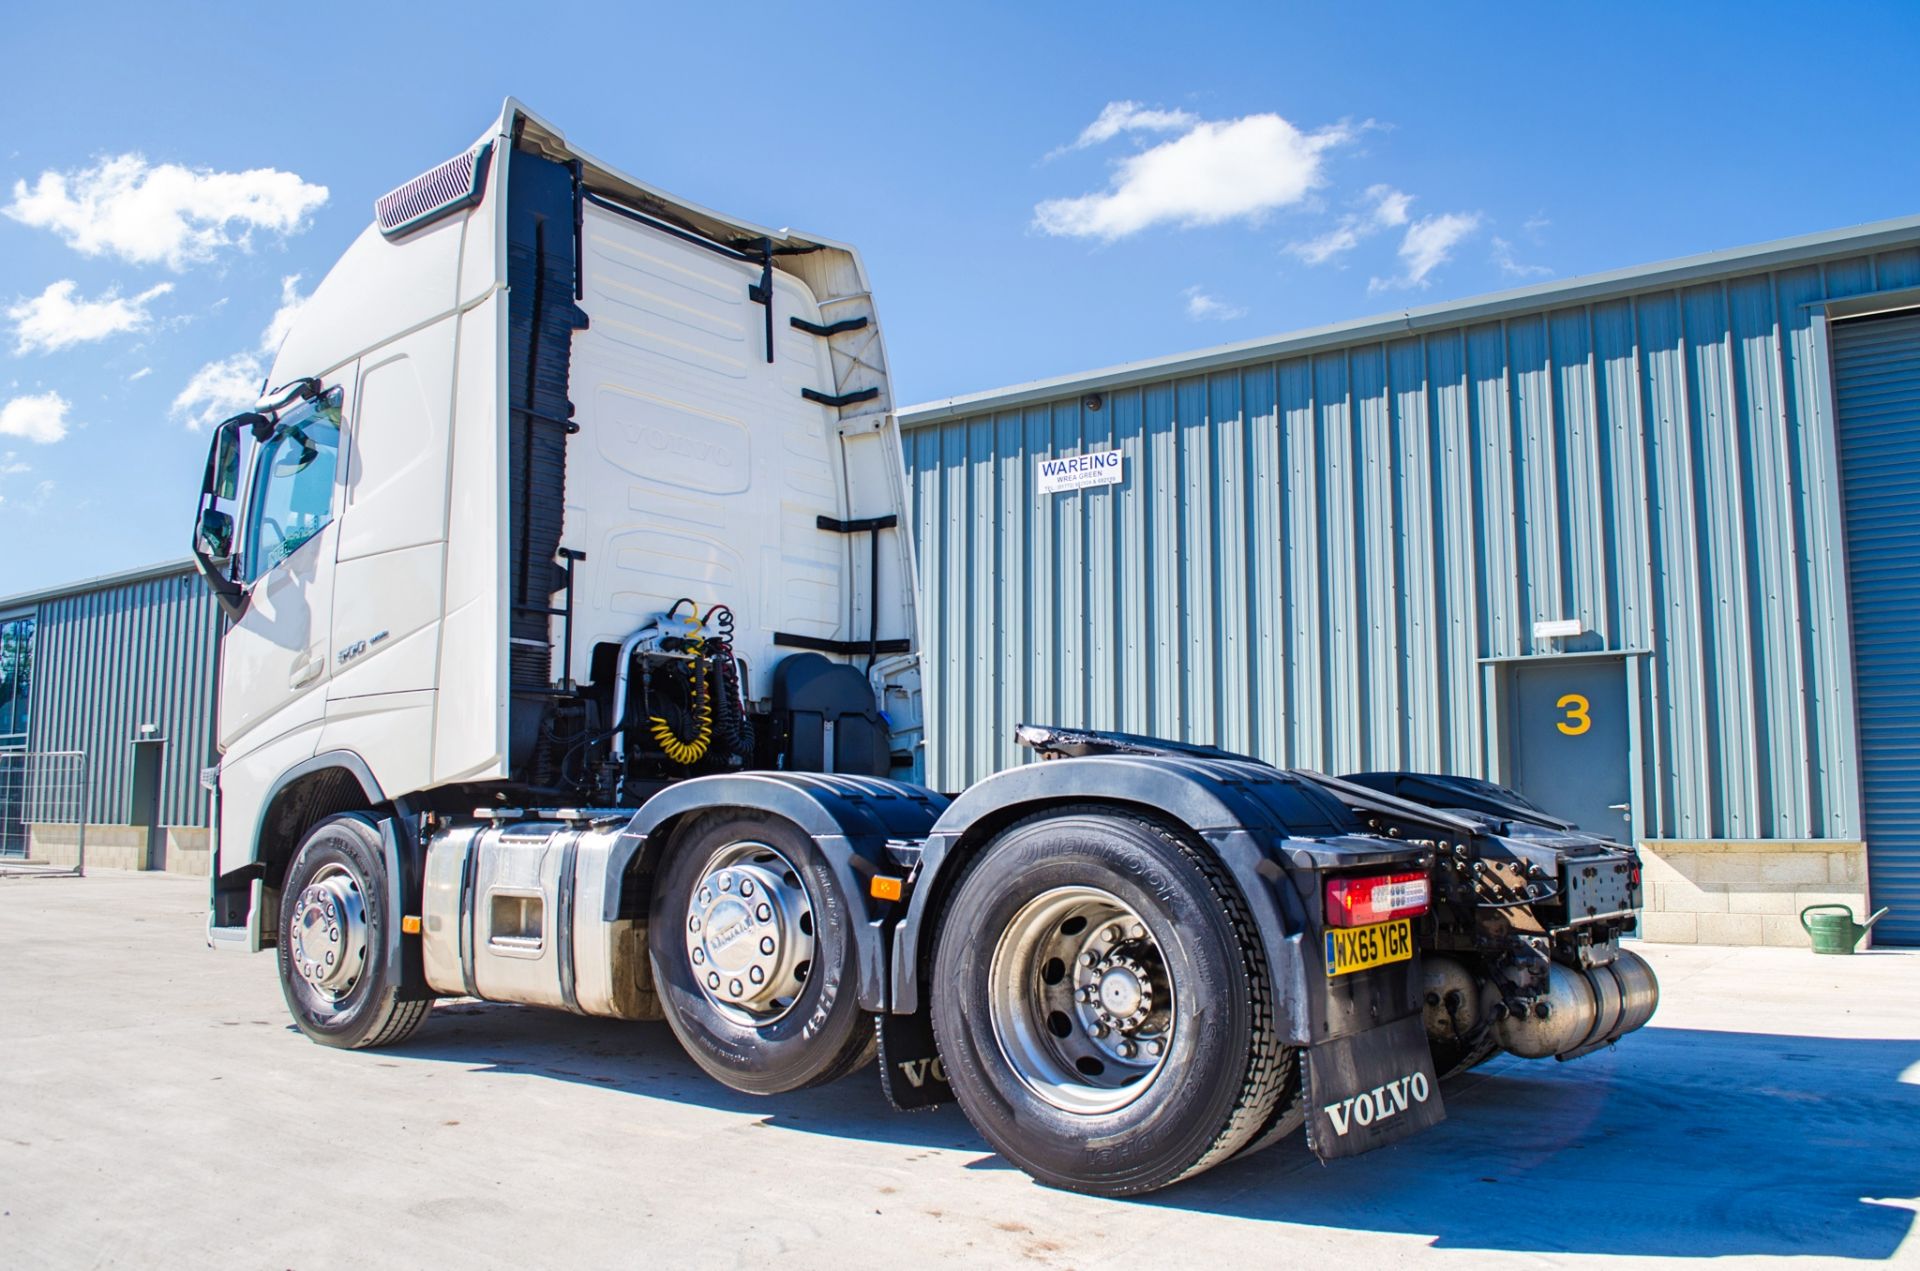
point(226, 468)
point(214, 535)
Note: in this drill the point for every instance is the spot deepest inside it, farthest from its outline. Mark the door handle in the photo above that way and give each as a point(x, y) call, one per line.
point(1624, 809)
point(306, 673)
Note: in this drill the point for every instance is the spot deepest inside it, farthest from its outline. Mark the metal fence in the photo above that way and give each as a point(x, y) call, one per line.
point(41, 787)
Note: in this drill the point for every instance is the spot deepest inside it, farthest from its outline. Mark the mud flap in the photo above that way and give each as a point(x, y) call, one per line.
point(1371, 1089)
point(910, 1068)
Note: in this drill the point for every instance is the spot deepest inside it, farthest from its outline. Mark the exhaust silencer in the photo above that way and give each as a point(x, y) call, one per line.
point(1583, 1010)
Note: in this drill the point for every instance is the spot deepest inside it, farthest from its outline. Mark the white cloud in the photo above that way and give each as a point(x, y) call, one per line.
point(57, 319)
point(10, 465)
point(140, 374)
point(163, 213)
point(291, 302)
point(1202, 307)
point(1503, 257)
point(233, 384)
point(42, 494)
point(1118, 117)
point(219, 389)
point(1428, 244)
point(1387, 208)
point(1215, 171)
point(39, 417)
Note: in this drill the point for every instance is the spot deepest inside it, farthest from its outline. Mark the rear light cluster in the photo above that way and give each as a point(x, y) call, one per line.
point(1356, 902)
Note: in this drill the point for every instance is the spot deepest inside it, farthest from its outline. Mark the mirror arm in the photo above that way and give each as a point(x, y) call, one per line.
point(231, 596)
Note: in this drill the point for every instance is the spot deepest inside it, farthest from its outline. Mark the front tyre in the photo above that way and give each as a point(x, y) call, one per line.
point(340, 985)
point(753, 955)
point(1102, 1004)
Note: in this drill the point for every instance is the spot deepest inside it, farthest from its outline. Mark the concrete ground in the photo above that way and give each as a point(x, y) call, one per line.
point(157, 1109)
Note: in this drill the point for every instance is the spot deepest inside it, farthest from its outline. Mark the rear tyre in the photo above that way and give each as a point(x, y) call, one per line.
point(340, 985)
point(1102, 1004)
point(753, 955)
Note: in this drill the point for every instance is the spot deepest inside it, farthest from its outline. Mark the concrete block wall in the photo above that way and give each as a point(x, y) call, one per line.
point(1745, 891)
point(187, 848)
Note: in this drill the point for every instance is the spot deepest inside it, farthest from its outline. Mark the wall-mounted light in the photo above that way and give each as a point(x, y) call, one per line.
point(1558, 628)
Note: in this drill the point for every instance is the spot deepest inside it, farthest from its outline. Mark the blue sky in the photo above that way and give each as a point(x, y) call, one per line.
point(1038, 189)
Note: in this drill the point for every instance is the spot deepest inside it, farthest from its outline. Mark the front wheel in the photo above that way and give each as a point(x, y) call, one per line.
point(1102, 1004)
point(341, 987)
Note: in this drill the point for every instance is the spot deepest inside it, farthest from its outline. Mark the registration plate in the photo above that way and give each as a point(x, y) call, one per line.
point(1357, 948)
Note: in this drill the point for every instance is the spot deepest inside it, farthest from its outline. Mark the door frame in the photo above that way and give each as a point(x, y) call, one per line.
point(1497, 676)
point(154, 744)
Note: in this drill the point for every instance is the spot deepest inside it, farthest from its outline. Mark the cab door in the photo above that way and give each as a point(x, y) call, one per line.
point(274, 661)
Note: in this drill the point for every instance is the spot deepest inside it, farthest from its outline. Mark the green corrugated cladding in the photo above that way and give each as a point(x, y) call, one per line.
point(1320, 541)
point(110, 658)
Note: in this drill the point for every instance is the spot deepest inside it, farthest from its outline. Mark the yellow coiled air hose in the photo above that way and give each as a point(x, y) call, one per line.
point(689, 752)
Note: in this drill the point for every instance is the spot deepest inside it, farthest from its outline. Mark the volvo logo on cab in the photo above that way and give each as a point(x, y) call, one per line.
point(1379, 1103)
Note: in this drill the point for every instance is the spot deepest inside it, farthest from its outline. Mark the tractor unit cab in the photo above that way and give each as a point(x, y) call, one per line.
point(572, 660)
point(574, 489)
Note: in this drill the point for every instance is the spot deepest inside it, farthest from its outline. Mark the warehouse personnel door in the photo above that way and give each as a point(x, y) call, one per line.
point(1569, 740)
point(1876, 382)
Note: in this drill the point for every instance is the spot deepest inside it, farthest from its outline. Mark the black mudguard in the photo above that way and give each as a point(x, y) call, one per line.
point(1278, 835)
point(851, 818)
point(910, 1069)
point(1371, 1088)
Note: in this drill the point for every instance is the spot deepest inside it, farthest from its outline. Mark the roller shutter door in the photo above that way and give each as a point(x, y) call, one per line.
point(1877, 385)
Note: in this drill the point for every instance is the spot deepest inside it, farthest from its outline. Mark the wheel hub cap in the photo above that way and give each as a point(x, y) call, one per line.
point(330, 932)
point(750, 933)
point(1080, 1000)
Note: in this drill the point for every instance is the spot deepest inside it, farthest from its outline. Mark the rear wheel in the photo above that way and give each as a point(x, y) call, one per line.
point(1102, 1004)
point(753, 955)
point(340, 985)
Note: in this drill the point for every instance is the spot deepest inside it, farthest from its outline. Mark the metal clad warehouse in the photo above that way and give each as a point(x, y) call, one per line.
point(1599, 540)
point(111, 682)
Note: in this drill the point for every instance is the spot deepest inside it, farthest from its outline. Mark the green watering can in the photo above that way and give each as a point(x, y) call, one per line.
point(1836, 933)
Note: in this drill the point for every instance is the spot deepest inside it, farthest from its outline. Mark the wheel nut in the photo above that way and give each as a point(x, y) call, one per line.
point(693, 923)
point(1137, 931)
point(706, 896)
point(726, 882)
point(699, 956)
point(1089, 959)
point(1128, 1050)
point(756, 975)
point(734, 987)
point(1114, 933)
point(746, 887)
point(1100, 1030)
point(763, 913)
point(766, 945)
point(713, 979)
point(1156, 1047)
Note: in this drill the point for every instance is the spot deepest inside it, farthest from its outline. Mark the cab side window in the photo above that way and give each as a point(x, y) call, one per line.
point(293, 478)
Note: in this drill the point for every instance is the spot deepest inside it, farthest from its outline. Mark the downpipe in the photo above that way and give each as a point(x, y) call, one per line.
point(1579, 1011)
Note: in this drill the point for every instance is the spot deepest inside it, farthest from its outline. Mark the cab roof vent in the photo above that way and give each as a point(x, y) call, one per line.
point(456, 184)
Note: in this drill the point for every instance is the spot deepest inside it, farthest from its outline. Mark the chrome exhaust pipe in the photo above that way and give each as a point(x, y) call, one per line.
point(1582, 1010)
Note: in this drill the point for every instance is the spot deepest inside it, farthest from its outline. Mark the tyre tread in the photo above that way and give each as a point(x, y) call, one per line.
point(1270, 1063)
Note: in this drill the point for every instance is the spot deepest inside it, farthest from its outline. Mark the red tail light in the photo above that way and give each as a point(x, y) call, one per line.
point(1355, 902)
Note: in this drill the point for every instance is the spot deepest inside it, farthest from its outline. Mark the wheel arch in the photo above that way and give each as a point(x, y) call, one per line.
point(1239, 810)
point(331, 782)
point(850, 818)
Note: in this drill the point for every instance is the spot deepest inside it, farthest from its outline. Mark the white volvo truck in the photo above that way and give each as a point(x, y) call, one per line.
point(573, 661)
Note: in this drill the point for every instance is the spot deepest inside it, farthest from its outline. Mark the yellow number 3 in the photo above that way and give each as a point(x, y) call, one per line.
point(1577, 720)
